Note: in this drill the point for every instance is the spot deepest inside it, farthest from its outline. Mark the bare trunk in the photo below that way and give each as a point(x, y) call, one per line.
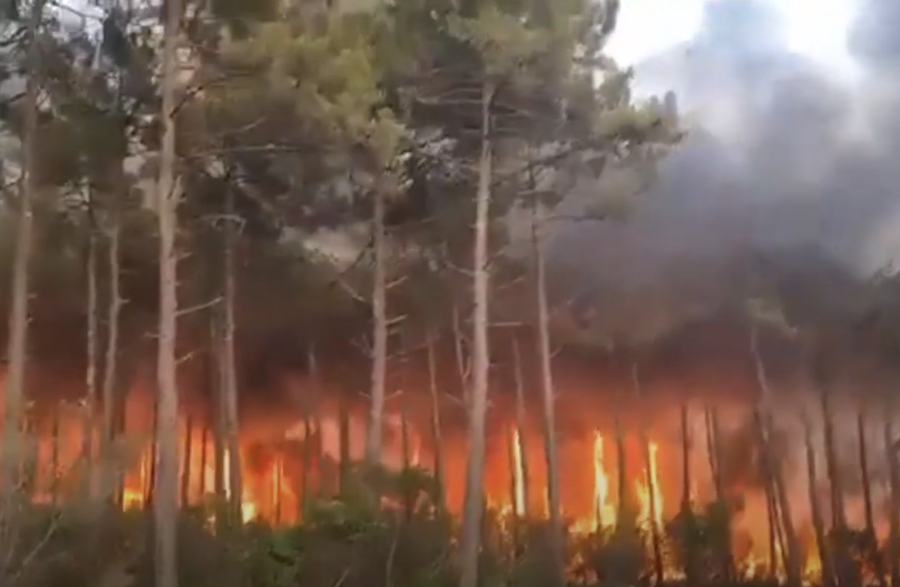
point(818, 520)
point(871, 535)
point(473, 510)
point(626, 515)
point(303, 495)
point(204, 451)
point(228, 383)
point(436, 427)
point(220, 482)
point(344, 432)
point(165, 503)
point(375, 429)
point(186, 468)
point(838, 514)
point(54, 457)
point(111, 358)
point(783, 518)
point(686, 505)
point(549, 400)
point(17, 349)
point(725, 552)
point(894, 479)
point(656, 539)
point(521, 423)
point(90, 400)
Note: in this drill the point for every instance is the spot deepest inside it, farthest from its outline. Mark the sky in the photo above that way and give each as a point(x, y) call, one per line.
point(816, 28)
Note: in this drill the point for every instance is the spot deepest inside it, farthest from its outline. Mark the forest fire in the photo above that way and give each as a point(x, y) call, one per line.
point(279, 476)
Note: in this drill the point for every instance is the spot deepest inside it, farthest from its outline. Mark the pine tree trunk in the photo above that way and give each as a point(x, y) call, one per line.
point(626, 512)
point(204, 452)
point(656, 539)
point(375, 428)
point(871, 535)
point(436, 428)
point(17, 351)
point(54, 456)
point(188, 456)
point(838, 514)
point(228, 383)
point(473, 509)
point(818, 520)
point(549, 400)
point(165, 502)
point(521, 424)
point(111, 358)
point(893, 547)
point(344, 433)
point(782, 517)
point(90, 403)
point(725, 551)
point(303, 495)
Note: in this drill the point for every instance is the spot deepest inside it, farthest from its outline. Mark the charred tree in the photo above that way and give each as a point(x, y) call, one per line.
point(871, 537)
point(90, 398)
point(111, 400)
point(893, 547)
point(656, 539)
point(436, 427)
point(818, 520)
point(186, 468)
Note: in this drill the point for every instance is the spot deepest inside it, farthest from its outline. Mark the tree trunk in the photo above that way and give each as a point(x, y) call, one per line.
point(521, 424)
point(111, 358)
point(548, 393)
point(473, 509)
point(303, 495)
point(17, 349)
point(775, 476)
point(893, 548)
point(626, 512)
point(725, 553)
point(90, 400)
point(204, 452)
point(165, 503)
point(818, 520)
point(188, 456)
point(838, 514)
point(375, 429)
point(54, 457)
point(656, 539)
point(436, 428)
point(228, 383)
point(871, 536)
point(344, 433)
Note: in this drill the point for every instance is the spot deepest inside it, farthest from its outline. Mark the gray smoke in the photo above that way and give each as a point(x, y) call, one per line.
point(785, 155)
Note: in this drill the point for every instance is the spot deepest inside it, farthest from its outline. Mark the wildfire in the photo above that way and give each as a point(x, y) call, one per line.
point(604, 511)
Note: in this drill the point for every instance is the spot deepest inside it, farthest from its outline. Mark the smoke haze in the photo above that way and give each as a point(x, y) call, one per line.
point(788, 159)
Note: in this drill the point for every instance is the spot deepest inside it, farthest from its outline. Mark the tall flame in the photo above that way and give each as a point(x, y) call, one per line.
point(518, 473)
point(604, 511)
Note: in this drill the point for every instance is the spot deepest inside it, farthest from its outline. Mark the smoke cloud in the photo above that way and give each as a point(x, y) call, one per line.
point(788, 160)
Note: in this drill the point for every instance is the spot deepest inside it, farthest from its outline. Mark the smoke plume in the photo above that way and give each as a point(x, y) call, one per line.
point(788, 159)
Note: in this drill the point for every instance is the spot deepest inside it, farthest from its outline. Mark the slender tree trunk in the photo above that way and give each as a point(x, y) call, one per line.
point(165, 504)
point(17, 349)
point(54, 457)
point(893, 547)
point(188, 457)
point(303, 495)
point(782, 514)
point(521, 424)
point(473, 510)
point(111, 358)
point(549, 400)
point(436, 427)
point(228, 385)
point(626, 512)
point(818, 520)
point(656, 539)
point(344, 433)
point(204, 452)
point(725, 553)
point(375, 429)
point(838, 514)
point(871, 536)
point(90, 400)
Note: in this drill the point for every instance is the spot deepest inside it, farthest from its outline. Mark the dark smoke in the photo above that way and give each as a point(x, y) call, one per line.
point(789, 165)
